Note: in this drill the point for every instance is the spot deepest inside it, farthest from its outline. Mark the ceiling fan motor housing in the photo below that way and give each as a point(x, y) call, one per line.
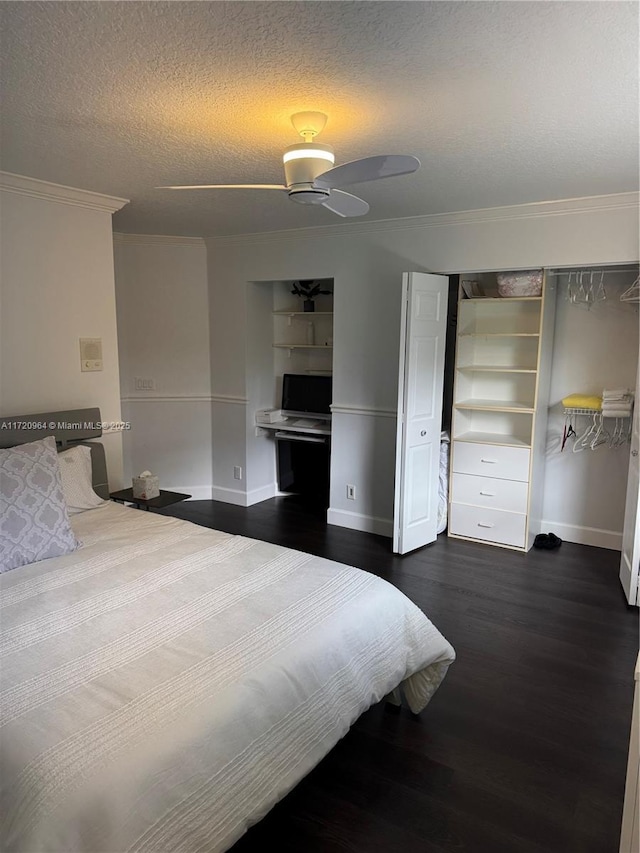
point(305, 161)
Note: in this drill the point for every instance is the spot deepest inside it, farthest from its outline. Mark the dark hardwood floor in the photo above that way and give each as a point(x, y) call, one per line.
point(523, 748)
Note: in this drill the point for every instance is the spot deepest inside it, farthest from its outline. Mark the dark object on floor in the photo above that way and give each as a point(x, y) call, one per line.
point(547, 541)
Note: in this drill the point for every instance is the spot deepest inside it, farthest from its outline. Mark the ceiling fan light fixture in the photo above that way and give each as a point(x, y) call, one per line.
point(306, 151)
point(305, 161)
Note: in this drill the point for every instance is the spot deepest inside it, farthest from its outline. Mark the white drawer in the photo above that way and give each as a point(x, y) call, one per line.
point(490, 525)
point(488, 460)
point(489, 491)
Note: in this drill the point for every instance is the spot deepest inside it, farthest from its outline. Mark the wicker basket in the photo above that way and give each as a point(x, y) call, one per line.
point(522, 283)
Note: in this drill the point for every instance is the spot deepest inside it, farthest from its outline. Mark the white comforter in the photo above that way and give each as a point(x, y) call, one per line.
point(166, 684)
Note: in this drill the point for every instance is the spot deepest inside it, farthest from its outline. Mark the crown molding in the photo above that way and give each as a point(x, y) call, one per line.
point(35, 188)
point(156, 240)
point(539, 209)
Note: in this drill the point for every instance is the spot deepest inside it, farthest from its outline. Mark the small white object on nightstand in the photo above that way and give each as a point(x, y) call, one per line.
point(146, 486)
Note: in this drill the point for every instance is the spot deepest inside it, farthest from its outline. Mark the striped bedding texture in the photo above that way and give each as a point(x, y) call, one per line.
point(165, 685)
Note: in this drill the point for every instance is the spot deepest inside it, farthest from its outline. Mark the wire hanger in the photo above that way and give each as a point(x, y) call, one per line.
point(632, 294)
point(601, 293)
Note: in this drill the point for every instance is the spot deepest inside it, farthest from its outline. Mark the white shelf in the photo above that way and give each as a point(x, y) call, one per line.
point(493, 438)
point(495, 406)
point(302, 346)
point(502, 299)
point(500, 335)
point(306, 426)
point(484, 368)
point(502, 370)
point(302, 313)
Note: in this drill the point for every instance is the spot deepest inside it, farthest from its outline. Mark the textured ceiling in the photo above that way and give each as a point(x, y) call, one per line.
point(504, 103)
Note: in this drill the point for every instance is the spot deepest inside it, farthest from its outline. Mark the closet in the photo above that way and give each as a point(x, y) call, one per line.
point(514, 470)
point(500, 401)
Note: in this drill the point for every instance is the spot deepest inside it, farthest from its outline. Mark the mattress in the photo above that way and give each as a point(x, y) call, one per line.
point(165, 685)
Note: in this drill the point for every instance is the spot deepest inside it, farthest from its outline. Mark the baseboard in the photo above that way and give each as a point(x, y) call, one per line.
point(595, 536)
point(256, 496)
point(239, 497)
point(198, 493)
point(358, 521)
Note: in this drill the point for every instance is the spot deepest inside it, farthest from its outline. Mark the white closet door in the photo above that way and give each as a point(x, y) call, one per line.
point(630, 560)
point(420, 384)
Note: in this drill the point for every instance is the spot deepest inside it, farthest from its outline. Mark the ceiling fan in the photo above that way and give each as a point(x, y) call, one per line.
point(308, 181)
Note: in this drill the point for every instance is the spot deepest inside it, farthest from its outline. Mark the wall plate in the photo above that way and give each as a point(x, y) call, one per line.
point(90, 354)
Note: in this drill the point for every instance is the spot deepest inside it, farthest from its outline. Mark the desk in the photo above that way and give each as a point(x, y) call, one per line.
point(302, 426)
point(303, 455)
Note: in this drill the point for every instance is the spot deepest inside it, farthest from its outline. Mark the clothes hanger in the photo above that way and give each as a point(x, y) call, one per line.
point(632, 294)
point(568, 430)
point(601, 293)
point(583, 442)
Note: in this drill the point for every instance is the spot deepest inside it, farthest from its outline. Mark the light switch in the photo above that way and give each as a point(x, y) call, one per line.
point(90, 354)
point(142, 384)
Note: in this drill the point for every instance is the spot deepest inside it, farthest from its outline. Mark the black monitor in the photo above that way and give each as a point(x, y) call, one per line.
point(306, 396)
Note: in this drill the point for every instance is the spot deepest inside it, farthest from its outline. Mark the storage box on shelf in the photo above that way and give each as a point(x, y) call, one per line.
point(503, 359)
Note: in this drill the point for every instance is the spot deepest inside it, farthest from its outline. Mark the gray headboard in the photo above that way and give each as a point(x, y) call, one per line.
point(71, 427)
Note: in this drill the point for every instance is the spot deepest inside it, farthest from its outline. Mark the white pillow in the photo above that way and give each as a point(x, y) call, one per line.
point(75, 471)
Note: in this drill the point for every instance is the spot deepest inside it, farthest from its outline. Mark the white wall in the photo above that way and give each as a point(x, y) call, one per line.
point(163, 333)
point(57, 285)
point(366, 261)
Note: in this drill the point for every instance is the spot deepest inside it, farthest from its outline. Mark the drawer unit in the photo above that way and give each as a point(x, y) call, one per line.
point(489, 460)
point(490, 525)
point(490, 492)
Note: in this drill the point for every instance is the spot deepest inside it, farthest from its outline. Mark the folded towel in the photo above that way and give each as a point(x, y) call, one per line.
point(582, 401)
point(627, 402)
point(616, 413)
point(614, 392)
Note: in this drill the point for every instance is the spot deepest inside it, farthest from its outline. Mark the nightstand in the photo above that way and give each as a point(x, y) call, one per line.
point(163, 500)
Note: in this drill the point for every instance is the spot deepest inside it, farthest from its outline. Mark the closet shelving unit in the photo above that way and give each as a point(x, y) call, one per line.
point(503, 359)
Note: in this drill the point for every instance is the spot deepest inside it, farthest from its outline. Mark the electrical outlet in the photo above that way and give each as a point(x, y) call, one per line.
point(351, 492)
point(237, 472)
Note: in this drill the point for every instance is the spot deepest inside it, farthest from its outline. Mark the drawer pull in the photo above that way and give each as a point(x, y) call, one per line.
point(489, 461)
point(481, 524)
point(488, 494)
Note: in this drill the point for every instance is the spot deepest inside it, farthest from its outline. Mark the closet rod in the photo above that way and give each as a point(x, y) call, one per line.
point(605, 270)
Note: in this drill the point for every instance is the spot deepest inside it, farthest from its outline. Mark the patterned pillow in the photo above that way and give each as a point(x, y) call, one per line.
point(76, 474)
point(34, 524)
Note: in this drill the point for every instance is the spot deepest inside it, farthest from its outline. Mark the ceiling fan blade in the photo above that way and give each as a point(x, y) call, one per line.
point(345, 204)
point(368, 169)
point(227, 187)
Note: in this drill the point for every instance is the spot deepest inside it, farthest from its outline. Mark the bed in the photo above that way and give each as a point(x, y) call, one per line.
point(164, 685)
